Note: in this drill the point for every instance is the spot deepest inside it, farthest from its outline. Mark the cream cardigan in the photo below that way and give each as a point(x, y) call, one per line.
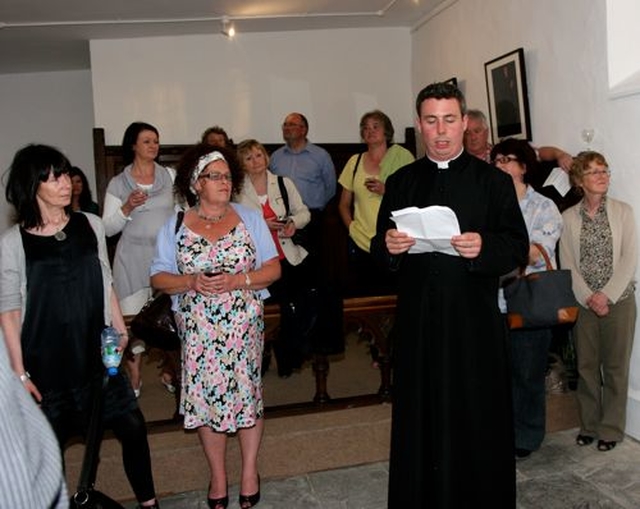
point(300, 214)
point(625, 249)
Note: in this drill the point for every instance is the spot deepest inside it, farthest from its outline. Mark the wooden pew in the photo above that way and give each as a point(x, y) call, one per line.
point(367, 315)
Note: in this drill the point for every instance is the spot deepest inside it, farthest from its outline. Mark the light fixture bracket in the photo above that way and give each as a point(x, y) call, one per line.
point(228, 29)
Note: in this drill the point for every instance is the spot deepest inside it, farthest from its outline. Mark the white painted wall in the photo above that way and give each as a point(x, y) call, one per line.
point(622, 33)
point(565, 47)
point(54, 108)
point(183, 85)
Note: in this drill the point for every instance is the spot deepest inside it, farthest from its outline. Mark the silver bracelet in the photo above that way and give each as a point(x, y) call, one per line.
point(247, 280)
point(24, 377)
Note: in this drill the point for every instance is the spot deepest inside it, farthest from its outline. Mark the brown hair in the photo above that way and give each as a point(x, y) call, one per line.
point(387, 126)
point(581, 164)
point(187, 165)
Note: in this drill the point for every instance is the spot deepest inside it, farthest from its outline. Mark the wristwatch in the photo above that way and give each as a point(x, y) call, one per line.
point(24, 377)
point(247, 280)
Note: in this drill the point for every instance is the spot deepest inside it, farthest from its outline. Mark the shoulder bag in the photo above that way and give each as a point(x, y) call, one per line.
point(541, 299)
point(155, 323)
point(300, 237)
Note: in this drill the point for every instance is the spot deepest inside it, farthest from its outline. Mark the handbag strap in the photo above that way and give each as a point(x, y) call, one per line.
point(355, 169)
point(284, 194)
point(179, 219)
point(93, 441)
point(543, 252)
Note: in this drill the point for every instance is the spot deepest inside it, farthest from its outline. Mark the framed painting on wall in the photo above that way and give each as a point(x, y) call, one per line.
point(508, 98)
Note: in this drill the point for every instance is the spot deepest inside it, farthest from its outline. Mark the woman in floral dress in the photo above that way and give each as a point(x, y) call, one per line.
point(216, 260)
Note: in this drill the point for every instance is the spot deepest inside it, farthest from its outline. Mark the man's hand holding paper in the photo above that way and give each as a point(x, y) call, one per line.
point(431, 227)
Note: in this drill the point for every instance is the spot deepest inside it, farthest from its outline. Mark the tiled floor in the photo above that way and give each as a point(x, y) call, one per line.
point(560, 475)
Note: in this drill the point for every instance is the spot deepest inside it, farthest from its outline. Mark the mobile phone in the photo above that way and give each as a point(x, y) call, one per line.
point(209, 273)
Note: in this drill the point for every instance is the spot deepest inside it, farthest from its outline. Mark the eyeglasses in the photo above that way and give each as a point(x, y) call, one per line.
point(504, 159)
point(597, 173)
point(216, 177)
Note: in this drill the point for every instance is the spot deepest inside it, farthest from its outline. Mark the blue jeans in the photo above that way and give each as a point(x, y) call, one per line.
point(529, 354)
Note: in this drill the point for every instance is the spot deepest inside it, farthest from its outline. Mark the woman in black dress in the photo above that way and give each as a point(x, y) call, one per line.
point(55, 299)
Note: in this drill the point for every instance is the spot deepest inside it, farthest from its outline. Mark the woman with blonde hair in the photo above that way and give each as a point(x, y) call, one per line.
point(263, 191)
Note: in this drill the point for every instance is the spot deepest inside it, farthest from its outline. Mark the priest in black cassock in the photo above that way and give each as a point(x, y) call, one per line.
point(452, 440)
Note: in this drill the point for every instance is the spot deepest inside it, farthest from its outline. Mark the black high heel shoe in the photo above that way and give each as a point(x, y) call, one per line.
point(248, 501)
point(217, 503)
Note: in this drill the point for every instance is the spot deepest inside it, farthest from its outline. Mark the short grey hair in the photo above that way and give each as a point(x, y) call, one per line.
point(478, 115)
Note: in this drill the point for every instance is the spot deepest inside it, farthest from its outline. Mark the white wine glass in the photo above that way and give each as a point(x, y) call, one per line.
point(587, 137)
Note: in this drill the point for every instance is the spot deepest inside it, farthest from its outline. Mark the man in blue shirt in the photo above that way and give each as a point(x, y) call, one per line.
point(309, 166)
point(311, 170)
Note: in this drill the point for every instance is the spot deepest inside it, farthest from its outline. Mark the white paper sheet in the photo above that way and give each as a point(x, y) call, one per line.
point(559, 179)
point(432, 227)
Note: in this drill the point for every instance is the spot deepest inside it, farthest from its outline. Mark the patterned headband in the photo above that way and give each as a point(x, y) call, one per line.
point(203, 162)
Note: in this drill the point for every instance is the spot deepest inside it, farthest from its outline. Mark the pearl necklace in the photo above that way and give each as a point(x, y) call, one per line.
point(211, 219)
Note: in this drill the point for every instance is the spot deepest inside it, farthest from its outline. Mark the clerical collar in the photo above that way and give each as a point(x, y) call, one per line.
point(445, 164)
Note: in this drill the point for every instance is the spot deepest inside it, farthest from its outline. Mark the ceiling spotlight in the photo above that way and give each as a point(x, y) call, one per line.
point(227, 28)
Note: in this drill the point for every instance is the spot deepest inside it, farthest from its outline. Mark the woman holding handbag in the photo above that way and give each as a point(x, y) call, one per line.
point(529, 347)
point(56, 296)
point(284, 215)
point(363, 184)
point(599, 246)
point(137, 202)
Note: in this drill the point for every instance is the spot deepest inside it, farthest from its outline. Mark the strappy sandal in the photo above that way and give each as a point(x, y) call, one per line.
point(606, 445)
point(583, 440)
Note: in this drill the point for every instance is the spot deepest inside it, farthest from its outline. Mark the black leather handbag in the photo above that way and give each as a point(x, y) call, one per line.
point(156, 325)
point(541, 299)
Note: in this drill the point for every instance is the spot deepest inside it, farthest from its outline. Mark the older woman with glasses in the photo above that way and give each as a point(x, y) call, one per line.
point(56, 297)
point(529, 347)
point(599, 246)
point(217, 262)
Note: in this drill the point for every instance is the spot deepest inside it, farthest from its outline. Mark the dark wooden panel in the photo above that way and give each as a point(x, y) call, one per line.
point(108, 163)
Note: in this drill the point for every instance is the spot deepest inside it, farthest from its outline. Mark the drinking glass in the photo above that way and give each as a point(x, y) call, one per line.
point(587, 137)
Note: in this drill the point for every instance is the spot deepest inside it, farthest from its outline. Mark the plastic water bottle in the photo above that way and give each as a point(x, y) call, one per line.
point(111, 356)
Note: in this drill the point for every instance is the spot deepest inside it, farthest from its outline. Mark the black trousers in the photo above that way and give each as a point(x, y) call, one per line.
point(294, 282)
point(129, 428)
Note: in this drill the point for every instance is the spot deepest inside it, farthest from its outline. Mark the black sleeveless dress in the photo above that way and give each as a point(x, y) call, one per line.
point(63, 319)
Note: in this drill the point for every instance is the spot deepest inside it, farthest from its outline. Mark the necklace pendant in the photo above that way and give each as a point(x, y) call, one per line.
point(60, 236)
point(210, 219)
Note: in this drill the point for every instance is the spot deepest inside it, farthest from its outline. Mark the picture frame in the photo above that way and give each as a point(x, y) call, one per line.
point(452, 81)
point(507, 93)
